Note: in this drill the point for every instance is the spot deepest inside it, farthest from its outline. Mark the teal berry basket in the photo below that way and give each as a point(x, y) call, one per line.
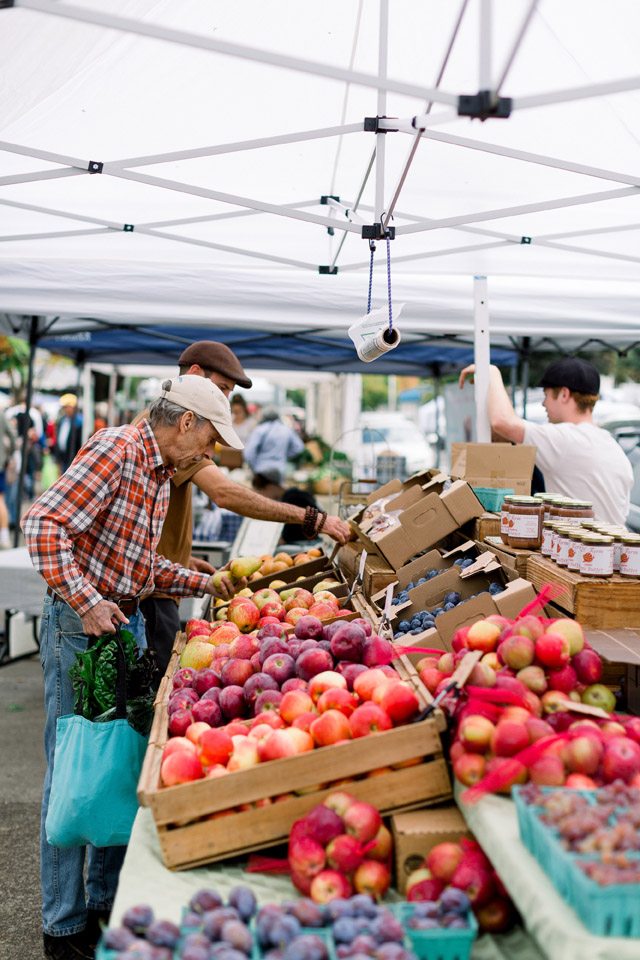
point(612, 910)
point(441, 944)
point(491, 498)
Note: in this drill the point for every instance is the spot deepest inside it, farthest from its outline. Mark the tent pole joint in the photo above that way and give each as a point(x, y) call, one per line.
point(128, 228)
point(373, 125)
point(375, 231)
point(484, 104)
point(525, 240)
point(325, 269)
point(95, 166)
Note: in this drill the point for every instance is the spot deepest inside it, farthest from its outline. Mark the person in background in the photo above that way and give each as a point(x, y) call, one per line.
point(268, 484)
point(68, 431)
point(271, 445)
point(217, 363)
point(243, 422)
point(7, 449)
point(577, 458)
point(93, 536)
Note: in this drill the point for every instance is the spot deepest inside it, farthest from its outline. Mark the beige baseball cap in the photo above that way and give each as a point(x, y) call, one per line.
point(203, 397)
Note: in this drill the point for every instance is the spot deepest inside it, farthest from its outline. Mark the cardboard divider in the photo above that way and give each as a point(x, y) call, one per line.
point(433, 511)
point(433, 560)
point(415, 834)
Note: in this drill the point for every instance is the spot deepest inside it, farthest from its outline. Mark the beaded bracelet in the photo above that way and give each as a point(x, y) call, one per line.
point(309, 522)
point(322, 522)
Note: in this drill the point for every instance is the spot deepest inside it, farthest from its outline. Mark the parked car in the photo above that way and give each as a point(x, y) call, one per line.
point(382, 433)
point(627, 433)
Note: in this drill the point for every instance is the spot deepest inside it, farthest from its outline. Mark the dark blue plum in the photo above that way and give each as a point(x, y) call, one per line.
point(204, 900)
point(340, 907)
point(163, 933)
point(454, 900)
point(452, 597)
point(138, 918)
point(117, 938)
point(404, 626)
point(495, 589)
point(243, 900)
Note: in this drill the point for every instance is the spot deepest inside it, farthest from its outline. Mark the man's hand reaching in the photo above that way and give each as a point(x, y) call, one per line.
point(223, 588)
point(466, 374)
point(99, 619)
point(337, 529)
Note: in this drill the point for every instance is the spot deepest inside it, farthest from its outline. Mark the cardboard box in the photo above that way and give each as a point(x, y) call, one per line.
point(413, 571)
point(620, 651)
point(430, 512)
point(418, 832)
point(497, 465)
point(508, 556)
point(516, 595)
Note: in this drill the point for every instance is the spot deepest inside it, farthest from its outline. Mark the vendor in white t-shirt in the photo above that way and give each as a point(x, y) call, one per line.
point(576, 457)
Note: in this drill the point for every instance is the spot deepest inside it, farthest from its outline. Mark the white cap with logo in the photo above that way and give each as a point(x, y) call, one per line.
point(203, 397)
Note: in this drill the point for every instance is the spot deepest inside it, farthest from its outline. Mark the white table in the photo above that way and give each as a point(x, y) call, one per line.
point(22, 591)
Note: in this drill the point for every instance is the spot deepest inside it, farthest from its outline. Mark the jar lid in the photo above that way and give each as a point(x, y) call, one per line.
point(591, 524)
point(583, 503)
point(508, 497)
point(631, 538)
point(523, 499)
point(548, 523)
point(576, 534)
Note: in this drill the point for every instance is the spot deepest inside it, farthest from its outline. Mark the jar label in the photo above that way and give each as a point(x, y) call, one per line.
point(562, 550)
point(574, 556)
point(597, 559)
point(630, 560)
point(524, 527)
point(547, 542)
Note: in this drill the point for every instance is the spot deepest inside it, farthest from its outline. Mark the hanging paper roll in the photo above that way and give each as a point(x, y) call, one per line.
point(372, 336)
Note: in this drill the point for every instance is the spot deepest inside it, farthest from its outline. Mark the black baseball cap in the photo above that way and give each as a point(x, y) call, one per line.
point(573, 373)
point(215, 356)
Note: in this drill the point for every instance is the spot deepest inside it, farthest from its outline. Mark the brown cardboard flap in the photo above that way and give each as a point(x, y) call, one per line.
point(616, 646)
point(436, 820)
point(498, 465)
point(485, 563)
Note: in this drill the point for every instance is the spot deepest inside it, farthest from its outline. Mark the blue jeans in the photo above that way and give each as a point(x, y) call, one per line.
point(64, 903)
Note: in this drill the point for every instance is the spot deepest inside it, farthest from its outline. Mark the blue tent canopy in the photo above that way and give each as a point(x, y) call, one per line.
point(266, 350)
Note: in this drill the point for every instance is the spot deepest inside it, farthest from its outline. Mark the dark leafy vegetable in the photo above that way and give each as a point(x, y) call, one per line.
point(94, 681)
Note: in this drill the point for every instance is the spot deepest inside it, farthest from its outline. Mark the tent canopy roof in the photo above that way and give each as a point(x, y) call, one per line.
point(221, 129)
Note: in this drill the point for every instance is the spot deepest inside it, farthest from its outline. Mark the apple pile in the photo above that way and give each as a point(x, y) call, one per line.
point(455, 877)
point(341, 846)
point(318, 688)
point(248, 609)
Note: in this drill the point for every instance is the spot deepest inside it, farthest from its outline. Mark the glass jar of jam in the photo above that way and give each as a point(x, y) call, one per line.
point(597, 556)
point(630, 556)
point(546, 547)
point(549, 499)
point(571, 511)
point(562, 543)
point(504, 518)
point(574, 551)
point(589, 524)
point(525, 523)
point(556, 529)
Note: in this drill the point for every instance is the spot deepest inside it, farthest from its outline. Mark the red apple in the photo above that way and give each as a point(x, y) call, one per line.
point(337, 698)
point(552, 649)
point(339, 801)
point(509, 738)
point(216, 746)
point(327, 680)
point(443, 860)
point(588, 666)
point(180, 767)
point(344, 853)
point(330, 727)
point(400, 702)
point(621, 759)
point(476, 881)
point(548, 770)
point(475, 733)
point(294, 703)
point(329, 885)
point(369, 718)
point(483, 635)
point(372, 877)
point(469, 768)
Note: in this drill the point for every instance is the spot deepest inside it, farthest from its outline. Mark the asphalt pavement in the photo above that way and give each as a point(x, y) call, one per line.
point(23, 767)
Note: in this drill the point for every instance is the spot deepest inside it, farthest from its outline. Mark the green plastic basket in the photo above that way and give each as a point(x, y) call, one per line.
point(491, 498)
point(605, 911)
point(442, 944)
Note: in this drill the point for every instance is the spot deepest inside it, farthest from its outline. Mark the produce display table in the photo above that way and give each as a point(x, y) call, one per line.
point(145, 879)
point(21, 586)
point(550, 921)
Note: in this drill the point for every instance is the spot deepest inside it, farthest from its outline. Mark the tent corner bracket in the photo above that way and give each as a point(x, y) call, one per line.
point(484, 104)
point(95, 166)
point(375, 231)
point(373, 125)
point(525, 239)
point(325, 269)
point(128, 228)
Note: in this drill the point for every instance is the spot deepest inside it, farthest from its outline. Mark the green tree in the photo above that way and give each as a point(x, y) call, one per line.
point(14, 359)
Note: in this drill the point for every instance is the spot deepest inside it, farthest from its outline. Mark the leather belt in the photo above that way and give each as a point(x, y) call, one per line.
point(128, 605)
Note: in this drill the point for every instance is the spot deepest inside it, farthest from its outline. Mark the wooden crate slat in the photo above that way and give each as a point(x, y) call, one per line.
point(599, 603)
point(209, 840)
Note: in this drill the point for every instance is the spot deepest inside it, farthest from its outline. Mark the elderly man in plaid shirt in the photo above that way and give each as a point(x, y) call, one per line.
point(93, 537)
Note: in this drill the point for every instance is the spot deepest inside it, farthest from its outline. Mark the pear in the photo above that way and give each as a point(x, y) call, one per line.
point(244, 567)
point(276, 584)
point(247, 592)
point(285, 594)
point(221, 614)
point(218, 577)
point(324, 585)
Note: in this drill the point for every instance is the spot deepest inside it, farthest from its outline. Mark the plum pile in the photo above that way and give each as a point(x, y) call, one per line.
point(403, 595)
point(210, 930)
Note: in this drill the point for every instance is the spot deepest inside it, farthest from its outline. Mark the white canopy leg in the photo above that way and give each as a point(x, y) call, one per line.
point(481, 356)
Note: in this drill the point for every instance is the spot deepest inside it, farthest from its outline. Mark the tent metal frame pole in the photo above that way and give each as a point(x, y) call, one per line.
point(589, 251)
point(158, 32)
point(383, 56)
point(237, 147)
point(432, 254)
point(497, 150)
point(356, 204)
point(228, 249)
point(54, 235)
point(39, 175)
point(481, 348)
point(526, 354)
point(33, 343)
point(484, 40)
point(589, 232)
point(503, 212)
point(428, 119)
point(524, 26)
point(585, 92)
point(233, 199)
point(231, 215)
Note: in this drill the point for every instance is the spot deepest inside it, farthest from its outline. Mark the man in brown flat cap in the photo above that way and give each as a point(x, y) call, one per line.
point(217, 363)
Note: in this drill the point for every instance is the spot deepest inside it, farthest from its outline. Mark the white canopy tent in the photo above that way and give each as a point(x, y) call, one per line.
point(224, 132)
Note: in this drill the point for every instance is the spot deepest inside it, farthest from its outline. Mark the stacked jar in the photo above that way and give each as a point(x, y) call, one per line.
point(561, 543)
point(597, 555)
point(504, 518)
point(524, 523)
point(630, 555)
point(571, 511)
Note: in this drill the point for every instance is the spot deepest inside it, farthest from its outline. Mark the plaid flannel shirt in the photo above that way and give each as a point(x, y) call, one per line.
point(94, 532)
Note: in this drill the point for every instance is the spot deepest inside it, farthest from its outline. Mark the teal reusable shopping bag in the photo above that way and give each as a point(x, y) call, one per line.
point(96, 769)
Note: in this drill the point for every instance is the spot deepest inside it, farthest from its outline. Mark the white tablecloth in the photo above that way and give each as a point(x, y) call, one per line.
point(21, 586)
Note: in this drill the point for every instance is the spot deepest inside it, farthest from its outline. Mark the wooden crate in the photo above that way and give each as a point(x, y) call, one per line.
point(377, 572)
point(602, 604)
point(189, 836)
point(509, 557)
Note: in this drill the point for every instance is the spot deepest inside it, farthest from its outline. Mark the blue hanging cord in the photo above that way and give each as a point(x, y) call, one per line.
point(389, 284)
point(372, 247)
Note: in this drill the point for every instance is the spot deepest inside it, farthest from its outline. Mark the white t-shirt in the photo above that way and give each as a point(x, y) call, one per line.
point(584, 462)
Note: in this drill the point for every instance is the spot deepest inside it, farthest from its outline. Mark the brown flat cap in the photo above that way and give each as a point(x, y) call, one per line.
point(215, 356)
